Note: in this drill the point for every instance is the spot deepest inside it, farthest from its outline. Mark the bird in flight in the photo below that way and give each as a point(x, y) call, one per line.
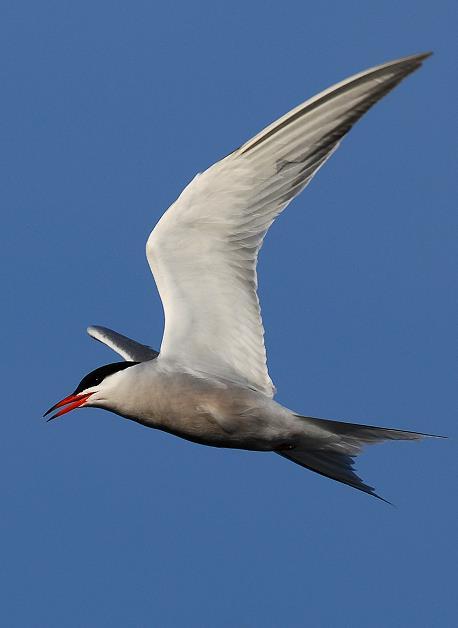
point(209, 383)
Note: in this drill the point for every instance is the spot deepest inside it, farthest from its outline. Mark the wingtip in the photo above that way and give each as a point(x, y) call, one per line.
point(421, 56)
point(418, 57)
point(93, 330)
point(411, 62)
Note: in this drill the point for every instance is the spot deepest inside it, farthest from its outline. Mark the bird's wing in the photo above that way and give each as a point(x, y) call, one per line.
point(127, 348)
point(204, 249)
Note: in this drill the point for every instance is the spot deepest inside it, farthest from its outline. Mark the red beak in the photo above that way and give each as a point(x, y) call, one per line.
point(72, 402)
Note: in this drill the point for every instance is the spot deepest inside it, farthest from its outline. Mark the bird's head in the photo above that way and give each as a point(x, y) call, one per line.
point(92, 389)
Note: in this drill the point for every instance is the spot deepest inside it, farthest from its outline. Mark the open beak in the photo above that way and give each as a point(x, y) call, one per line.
point(72, 402)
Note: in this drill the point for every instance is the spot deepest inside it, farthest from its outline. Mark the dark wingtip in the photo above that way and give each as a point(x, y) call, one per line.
point(418, 58)
point(410, 64)
point(424, 55)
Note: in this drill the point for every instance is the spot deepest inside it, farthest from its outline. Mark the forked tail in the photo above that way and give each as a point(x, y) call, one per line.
point(335, 457)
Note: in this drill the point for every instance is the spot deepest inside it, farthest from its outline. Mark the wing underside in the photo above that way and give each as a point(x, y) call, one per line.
point(203, 252)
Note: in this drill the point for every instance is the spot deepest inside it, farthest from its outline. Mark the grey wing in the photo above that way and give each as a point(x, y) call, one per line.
point(127, 348)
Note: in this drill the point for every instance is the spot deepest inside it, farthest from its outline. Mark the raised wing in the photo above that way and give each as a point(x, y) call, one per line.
point(203, 252)
point(127, 348)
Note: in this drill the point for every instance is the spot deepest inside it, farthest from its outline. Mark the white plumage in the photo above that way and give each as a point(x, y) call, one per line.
point(203, 252)
point(210, 383)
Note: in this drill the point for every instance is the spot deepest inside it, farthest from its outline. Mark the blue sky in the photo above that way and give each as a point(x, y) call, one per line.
point(108, 109)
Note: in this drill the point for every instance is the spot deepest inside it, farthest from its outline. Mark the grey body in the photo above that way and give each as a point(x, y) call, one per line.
point(219, 412)
point(201, 408)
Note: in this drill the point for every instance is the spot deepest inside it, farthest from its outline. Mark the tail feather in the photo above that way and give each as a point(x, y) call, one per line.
point(335, 457)
point(332, 465)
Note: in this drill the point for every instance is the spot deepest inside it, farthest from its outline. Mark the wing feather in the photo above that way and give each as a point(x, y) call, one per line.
point(128, 349)
point(203, 252)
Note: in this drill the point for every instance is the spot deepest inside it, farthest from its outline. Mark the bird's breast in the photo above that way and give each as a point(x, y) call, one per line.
point(205, 410)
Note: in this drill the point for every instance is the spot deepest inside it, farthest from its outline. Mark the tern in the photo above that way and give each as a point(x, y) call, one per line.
point(209, 383)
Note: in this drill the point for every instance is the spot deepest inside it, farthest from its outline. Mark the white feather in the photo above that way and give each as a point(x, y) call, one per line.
point(203, 252)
